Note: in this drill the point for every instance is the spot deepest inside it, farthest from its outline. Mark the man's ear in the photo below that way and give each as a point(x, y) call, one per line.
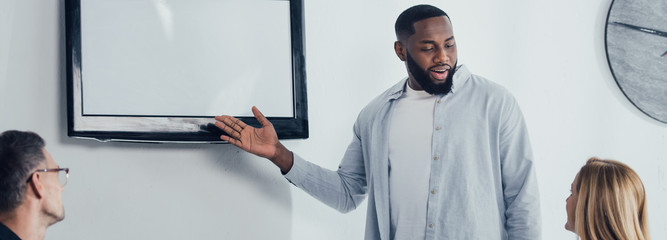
point(36, 185)
point(400, 51)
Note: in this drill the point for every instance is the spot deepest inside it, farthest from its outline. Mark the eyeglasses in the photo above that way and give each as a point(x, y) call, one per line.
point(62, 178)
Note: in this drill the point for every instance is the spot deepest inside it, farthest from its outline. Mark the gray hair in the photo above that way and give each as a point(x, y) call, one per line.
point(20, 153)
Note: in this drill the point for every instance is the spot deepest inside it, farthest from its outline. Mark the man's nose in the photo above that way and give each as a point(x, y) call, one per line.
point(440, 56)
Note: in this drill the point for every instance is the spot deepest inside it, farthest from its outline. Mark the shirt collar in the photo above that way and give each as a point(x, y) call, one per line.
point(461, 76)
point(7, 234)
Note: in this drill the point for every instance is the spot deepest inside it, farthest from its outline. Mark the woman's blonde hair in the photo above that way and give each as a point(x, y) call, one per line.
point(611, 202)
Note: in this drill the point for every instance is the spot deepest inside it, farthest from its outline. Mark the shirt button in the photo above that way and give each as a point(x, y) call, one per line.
point(430, 225)
point(435, 158)
point(437, 128)
point(439, 100)
point(432, 191)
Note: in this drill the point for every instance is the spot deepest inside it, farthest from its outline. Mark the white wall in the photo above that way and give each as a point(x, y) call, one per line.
point(550, 54)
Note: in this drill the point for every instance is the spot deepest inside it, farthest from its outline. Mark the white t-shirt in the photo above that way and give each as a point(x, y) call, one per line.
point(410, 134)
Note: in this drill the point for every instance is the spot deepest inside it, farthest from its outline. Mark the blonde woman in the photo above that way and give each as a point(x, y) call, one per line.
point(607, 202)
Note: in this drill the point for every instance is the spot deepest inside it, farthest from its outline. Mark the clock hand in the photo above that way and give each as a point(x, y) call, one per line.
point(642, 29)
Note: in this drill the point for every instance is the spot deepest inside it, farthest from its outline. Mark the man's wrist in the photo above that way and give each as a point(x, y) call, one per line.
point(284, 159)
point(288, 165)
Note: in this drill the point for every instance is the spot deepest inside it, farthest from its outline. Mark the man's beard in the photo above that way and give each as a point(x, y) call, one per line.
point(422, 77)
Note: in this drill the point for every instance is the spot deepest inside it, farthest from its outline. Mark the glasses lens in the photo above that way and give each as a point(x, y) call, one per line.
point(62, 177)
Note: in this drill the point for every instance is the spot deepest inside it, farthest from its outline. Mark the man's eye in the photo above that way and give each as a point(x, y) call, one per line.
point(449, 45)
point(427, 49)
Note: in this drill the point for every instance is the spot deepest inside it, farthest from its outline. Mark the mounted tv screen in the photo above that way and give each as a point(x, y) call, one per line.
point(159, 71)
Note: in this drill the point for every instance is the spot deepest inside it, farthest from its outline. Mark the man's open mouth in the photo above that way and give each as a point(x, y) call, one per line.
point(439, 72)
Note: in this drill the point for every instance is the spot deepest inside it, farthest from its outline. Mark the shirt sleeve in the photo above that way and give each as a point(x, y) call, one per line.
point(343, 189)
point(522, 202)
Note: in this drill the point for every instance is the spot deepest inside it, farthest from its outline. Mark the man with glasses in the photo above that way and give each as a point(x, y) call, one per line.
point(31, 185)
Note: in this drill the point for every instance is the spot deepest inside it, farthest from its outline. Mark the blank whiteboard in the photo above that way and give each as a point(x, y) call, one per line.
point(159, 70)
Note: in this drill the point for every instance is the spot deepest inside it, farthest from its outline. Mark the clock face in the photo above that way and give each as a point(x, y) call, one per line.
point(636, 42)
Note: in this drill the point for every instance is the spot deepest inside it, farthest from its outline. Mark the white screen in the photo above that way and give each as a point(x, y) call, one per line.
point(186, 57)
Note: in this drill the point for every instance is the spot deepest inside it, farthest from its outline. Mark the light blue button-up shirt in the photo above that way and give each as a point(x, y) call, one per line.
point(482, 169)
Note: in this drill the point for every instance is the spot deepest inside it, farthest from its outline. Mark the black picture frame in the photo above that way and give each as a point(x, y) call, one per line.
point(195, 129)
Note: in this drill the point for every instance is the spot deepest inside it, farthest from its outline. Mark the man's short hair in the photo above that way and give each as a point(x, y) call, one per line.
point(404, 26)
point(20, 153)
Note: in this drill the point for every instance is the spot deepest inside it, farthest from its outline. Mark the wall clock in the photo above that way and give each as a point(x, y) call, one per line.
point(636, 47)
